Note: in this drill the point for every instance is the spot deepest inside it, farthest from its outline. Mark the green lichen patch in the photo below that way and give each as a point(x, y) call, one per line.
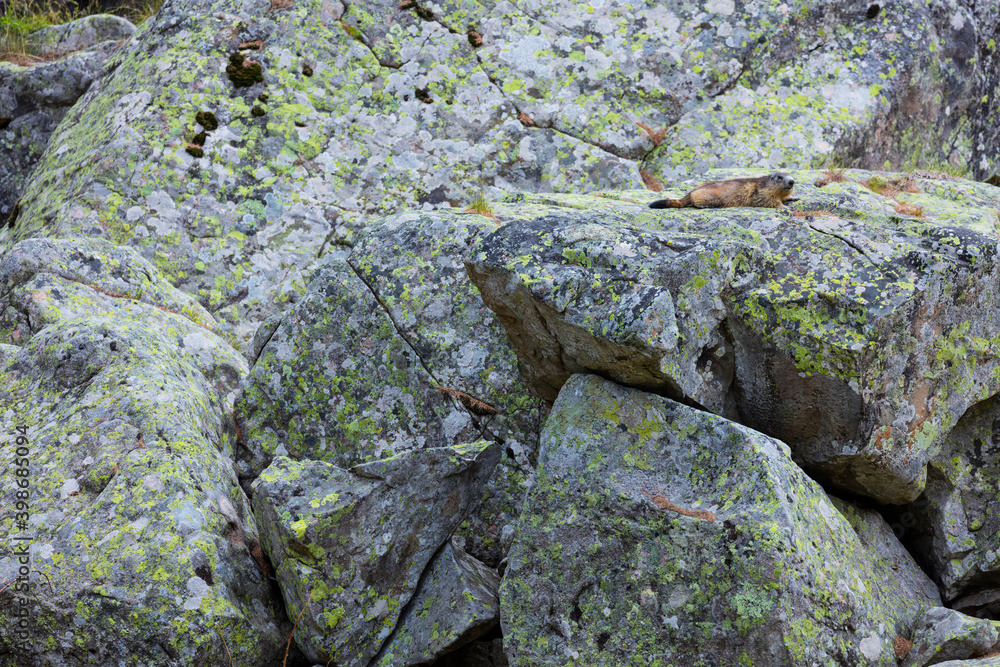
point(658, 534)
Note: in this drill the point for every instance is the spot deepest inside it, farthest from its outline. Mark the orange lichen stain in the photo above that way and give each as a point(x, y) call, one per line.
point(880, 436)
point(661, 501)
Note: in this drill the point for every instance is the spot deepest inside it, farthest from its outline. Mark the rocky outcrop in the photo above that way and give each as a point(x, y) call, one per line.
point(354, 112)
point(664, 532)
point(390, 350)
point(954, 525)
point(856, 334)
point(202, 300)
point(117, 406)
point(33, 100)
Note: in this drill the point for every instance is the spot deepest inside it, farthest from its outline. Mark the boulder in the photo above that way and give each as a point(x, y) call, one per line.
point(454, 603)
point(944, 634)
point(83, 34)
point(33, 100)
point(142, 546)
point(662, 534)
point(335, 382)
point(954, 524)
point(857, 334)
point(353, 548)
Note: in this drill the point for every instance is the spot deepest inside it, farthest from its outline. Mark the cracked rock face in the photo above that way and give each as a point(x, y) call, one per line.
point(360, 110)
point(358, 547)
point(857, 335)
point(662, 534)
point(455, 602)
point(141, 539)
point(955, 524)
point(394, 350)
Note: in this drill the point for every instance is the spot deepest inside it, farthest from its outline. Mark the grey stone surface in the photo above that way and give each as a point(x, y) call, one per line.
point(377, 108)
point(83, 34)
point(142, 547)
point(660, 533)
point(455, 602)
point(856, 334)
point(944, 634)
point(352, 546)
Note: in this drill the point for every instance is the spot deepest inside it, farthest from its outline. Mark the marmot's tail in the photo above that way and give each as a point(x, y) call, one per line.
point(668, 203)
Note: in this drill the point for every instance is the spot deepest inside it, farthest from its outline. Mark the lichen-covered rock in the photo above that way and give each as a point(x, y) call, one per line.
point(44, 281)
point(391, 350)
point(944, 634)
point(336, 382)
point(83, 34)
point(455, 602)
point(332, 114)
point(955, 524)
point(659, 534)
point(143, 549)
point(33, 100)
point(787, 84)
point(856, 334)
point(350, 546)
point(414, 263)
point(993, 661)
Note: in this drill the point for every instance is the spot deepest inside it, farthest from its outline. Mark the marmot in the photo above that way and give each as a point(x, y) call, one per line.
point(764, 191)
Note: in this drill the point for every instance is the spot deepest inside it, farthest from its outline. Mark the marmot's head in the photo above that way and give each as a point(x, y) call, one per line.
point(780, 184)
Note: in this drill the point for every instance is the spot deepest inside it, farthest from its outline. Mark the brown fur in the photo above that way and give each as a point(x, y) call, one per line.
point(765, 192)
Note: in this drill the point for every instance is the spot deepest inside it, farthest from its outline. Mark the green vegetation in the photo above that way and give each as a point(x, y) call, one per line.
point(480, 205)
point(20, 18)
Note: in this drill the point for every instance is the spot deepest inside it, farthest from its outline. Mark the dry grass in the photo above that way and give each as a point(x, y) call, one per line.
point(471, 403)
point(884, 187)
point(291, 634)
point(656, 136)
point(831, 176)
point(909, 209)
point(902, 647)
point(650, 181)
point(890, 187)
point(663, 503)
point(819, 213)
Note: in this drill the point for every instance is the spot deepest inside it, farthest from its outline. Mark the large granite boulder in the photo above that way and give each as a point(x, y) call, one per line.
point(660, 534)
point(357, 552)
point(857, 334)
point(141, 546)
point(955, 524)
point(319, 115)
